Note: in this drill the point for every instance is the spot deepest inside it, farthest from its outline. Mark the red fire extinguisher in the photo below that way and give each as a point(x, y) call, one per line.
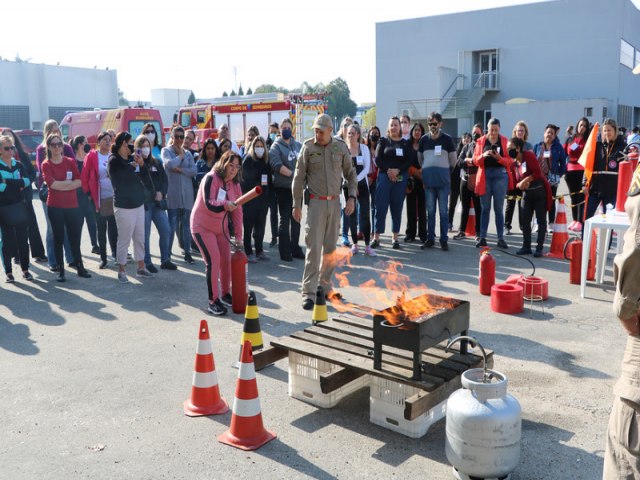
point(487, 272)
point(573, 253)
point(239, 266)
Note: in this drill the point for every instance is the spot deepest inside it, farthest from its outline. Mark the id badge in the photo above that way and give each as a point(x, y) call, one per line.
point(69, 175)
point(546, 154)
point(154, 169)
point(499, 150)
point(524, 168)
point(137, 170)
point(222, 195)
point(399, 152)
point(264, 180)
point(574, 146)
point(360, 160)
point(438, 150)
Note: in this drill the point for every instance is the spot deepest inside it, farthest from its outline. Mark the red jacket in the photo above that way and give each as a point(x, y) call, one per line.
point(478, 161)
point(90, 177)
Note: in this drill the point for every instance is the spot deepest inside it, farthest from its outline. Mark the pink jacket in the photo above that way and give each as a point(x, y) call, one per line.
point(208, 211)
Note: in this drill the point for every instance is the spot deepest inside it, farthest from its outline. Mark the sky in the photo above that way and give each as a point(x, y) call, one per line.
point(213, 46)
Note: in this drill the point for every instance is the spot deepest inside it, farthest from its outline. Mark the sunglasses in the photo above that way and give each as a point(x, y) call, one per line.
point(8, 149)
point(149, 131)
point(433, 124)
point(179, 137)
point(55, 144)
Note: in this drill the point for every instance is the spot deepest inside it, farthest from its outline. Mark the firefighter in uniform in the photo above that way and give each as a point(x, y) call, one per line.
point(622, 456)
point(322, 164)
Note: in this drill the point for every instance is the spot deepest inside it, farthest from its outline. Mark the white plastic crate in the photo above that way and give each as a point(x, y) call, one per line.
point(304, 381)
point(386, 408)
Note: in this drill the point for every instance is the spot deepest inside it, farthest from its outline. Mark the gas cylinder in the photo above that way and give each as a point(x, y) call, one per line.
point(484, 425)
point(239, 266)
point(487, 275)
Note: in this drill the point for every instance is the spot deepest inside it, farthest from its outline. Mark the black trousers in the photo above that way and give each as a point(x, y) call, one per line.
point(361, 214)
point(289, 229)
point(416, 211)
point(533, 201)
point(105, 224)
point(597, 198)
point(273, 211)
point(466, 196)
point(510, 209)
point(72, 220)
point(33, 231)
point(552, 212)
point(254, 221)
point(15, 243)
point(454, 194)
point(574, 182)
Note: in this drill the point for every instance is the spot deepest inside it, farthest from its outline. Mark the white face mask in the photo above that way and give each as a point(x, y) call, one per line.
point(151, 137)
point(145, 151)
point(259, 152)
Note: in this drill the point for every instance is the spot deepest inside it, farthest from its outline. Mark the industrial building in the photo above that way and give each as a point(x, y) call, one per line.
point(546, 62)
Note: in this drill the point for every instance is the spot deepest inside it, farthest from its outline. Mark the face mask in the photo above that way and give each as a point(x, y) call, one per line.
point(151, 137)
point(131, 147)
point(145, 151)
point(513, 153)
point(476, 137)
point(272, 136)
point(87, 148)
point(259, 152)
point(286, 133)
point(375, 137)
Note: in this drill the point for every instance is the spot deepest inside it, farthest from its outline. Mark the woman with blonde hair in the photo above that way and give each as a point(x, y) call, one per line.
point(521, 131)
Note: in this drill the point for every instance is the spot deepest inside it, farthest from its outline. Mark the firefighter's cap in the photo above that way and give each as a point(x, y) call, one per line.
point(323, 122)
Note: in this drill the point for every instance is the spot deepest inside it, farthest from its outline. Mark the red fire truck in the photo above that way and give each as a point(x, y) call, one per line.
point(239, 113)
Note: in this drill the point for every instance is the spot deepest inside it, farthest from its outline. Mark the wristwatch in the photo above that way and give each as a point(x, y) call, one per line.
point(351, 196)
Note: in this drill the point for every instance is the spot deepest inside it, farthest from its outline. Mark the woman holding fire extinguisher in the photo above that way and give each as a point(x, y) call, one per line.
point(215, 202)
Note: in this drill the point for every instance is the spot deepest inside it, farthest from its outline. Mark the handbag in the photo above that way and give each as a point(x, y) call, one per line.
point(106, 207)
point(471, 182)
point(14, 214)
point(43, 193)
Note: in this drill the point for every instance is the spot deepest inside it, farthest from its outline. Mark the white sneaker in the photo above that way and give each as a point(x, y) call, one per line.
point(122, 277)
point(550, 228)
point(354, 249)
point(370, 252)
point(143, 273)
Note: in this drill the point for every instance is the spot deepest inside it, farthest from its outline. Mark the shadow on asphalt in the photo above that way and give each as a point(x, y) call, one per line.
point(15, 338)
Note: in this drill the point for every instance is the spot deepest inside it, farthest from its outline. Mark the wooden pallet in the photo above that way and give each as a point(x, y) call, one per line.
point(348, 342)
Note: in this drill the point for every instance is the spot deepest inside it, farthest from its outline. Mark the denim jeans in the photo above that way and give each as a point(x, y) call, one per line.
point(389, 195)
point(497, 183)
point(185, 214)
point(161, 221)
point(440, 195)
point(51, 252)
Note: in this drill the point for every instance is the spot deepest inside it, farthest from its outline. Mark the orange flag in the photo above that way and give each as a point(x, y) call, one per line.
point(588, 157)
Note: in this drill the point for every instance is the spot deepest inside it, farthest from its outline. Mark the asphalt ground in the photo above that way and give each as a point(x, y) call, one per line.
point(94, 373)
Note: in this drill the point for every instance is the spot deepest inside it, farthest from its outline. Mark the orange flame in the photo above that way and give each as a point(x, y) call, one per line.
point(393, 296)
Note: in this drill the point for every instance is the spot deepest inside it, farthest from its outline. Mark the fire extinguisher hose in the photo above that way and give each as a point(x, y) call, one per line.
point(520, 257)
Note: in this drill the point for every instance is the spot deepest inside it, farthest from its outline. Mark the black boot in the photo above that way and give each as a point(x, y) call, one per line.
point(61, 273)
point(82, 272)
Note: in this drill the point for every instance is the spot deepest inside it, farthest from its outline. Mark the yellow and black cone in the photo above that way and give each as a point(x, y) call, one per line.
point(251, 330)
point(320, 308)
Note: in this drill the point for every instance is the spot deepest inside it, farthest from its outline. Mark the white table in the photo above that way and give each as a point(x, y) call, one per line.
point(613, 221)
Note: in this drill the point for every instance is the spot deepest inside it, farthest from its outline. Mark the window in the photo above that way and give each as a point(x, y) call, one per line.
point(185, 119)
point(200, 116)
point(626, 54)
point(135, 128)
point(605, 112)
point(588, 112)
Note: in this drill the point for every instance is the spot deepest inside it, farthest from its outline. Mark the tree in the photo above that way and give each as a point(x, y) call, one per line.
point(192, 98)
point(369, 118)
point(240, 91)
point(122, 101)
point(233, 93)
point(339, 99)
point(268, 88)
point(249, 91)
point(225, 94)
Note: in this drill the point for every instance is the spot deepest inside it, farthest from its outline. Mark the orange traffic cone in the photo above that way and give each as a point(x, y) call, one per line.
point(205, 393)
point(246, 430)
point(470, 231)
point(560, 233)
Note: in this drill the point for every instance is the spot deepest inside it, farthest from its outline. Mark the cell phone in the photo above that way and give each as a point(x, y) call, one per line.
point(139, 152)
point(494, 148)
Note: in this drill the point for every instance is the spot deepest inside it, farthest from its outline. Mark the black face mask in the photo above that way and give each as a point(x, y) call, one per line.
point(87, 148)
point(476, 136)
point(375, 137)
point(131, 147)
point(513, 153)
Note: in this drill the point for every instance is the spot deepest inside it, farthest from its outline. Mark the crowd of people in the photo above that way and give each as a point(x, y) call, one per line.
point(123, 186)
